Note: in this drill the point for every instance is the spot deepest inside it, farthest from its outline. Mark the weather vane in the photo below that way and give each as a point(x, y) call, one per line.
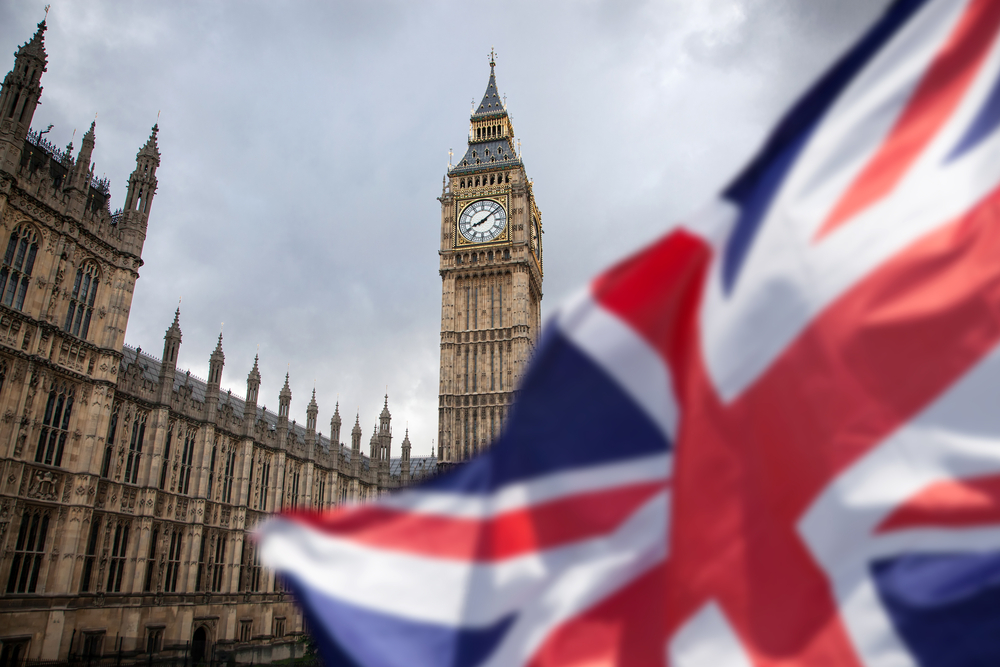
point(47, 11)
point(493, 58)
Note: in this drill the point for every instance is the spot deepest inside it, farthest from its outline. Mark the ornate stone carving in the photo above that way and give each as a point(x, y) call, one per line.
point(44, 485)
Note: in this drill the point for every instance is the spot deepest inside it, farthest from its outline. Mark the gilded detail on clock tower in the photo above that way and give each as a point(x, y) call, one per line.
point(491, 279)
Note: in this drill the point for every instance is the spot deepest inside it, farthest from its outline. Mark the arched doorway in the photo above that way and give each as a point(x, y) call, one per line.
point(199, 642)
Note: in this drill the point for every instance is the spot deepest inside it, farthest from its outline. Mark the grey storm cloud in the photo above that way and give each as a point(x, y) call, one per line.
point(304, 146)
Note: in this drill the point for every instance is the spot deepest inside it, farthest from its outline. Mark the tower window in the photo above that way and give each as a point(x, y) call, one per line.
point(81, 304)
point(187, 456)
point(90, 559)
point(18, 262)
point(218, 566)
point(211, 468)
point(135, 448)
point(109, 448)
point(227, 478)
point(116, 567)
point(173, 562)
point(151, 561)
point(28, 550)
point(251, 575)
point(55, 427)
point(165, 465)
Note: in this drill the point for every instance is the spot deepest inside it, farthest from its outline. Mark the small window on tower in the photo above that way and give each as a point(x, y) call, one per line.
point(81, 304)
point(17, 265)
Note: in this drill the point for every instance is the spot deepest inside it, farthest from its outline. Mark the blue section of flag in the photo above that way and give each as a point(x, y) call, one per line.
point(554, 426)
point(755, 188)
point(366, 633)
point(984, 125)
point(944, 606)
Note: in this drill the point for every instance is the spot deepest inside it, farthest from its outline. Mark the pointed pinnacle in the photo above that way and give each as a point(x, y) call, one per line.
point(36, 45)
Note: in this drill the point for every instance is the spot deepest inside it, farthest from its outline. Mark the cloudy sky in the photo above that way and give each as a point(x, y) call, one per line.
point(304, 143)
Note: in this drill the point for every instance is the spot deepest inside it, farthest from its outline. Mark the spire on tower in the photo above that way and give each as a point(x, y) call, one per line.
point(491, 134)
point(150, 148)
point(35, 47)
point(492, 104)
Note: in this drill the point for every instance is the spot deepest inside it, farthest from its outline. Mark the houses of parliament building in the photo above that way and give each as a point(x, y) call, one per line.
point(130, 489)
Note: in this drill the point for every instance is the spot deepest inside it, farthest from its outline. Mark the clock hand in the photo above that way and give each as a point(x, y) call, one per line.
point(481, 221)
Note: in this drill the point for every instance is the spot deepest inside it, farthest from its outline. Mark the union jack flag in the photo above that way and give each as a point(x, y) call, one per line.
point(771, 438)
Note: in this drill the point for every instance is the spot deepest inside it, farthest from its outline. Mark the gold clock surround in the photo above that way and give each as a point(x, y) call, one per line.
point(465, 202)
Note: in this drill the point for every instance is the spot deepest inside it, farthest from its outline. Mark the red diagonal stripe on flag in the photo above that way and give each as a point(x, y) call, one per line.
point(933, 102)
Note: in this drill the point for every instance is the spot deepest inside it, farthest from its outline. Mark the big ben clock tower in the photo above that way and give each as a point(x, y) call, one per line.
point(491, 278)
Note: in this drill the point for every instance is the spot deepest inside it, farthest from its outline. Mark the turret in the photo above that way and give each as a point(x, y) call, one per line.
point(335, 429)
point(356, 446)
point(284, 402)
point(19, 98)
point(139, 197)
point(80, 176)
point(374, 451)
point(215, 364)
point(312, 410)
point(385, 435)
point(253, 390)
point(404, 468)
point(168, 365)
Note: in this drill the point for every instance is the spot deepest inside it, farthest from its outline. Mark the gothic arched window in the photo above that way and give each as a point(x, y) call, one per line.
point(55, 426)
point(28, 551)
point(81, 303)
point(135, 448)
point(187, 457)
point(18, 262)
point(116, 564)
point(109, 447)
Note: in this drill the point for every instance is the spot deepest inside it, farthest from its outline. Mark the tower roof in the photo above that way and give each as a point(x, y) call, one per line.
point(286, 390)
point(312, 401)
point(150, 149)
point(336, 413)
point(175, 329)
point(218, 353)
point(406, 438)
point(357, 425)
point(489, 152)
point(492, 105)
point(255, 371)
point(35, 47)
point(385, 409)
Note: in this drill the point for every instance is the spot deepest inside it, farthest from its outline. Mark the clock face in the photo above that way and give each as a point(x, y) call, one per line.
point(482, 221)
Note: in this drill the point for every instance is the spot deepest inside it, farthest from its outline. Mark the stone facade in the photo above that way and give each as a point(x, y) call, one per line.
point(128, 488)
point(491, 274)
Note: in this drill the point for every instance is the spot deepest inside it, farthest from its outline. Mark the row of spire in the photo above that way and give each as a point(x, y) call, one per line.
point(381, 438)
